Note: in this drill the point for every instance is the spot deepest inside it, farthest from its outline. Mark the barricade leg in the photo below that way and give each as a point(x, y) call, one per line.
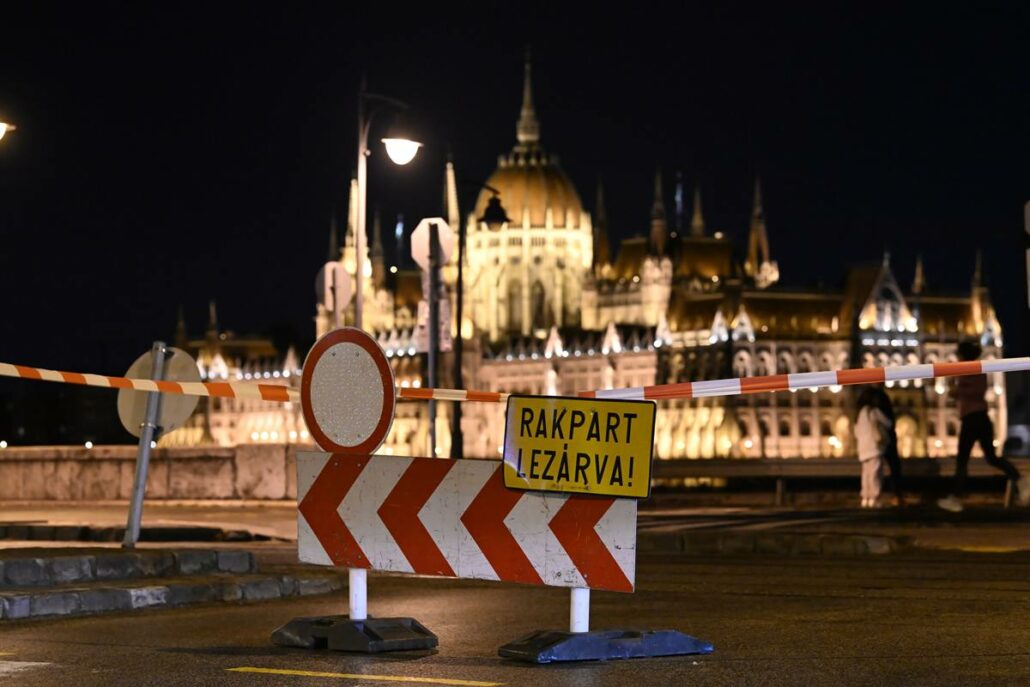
point(579, 610)
point(580, 644)
point(357, 589)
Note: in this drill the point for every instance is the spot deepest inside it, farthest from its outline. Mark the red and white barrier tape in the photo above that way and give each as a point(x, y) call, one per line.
point(262, 392)
point(682, 390)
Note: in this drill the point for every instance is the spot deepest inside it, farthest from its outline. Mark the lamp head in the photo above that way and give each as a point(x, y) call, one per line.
point(401, 144)
point(401, 150)
point(5, 127)
point(494, 215)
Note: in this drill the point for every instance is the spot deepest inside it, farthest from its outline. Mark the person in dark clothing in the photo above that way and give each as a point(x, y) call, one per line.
point(977, 428)
point(890, 454)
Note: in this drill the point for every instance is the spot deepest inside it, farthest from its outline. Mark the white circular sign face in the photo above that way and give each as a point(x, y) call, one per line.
point(347, 392)
point(175, 408)
point(420, 241)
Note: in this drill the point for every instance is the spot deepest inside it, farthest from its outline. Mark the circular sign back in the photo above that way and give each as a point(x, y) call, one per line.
point(347, 392)
point(175, 408)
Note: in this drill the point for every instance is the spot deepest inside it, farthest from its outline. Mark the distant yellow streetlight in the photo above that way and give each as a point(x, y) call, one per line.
point(5, 127)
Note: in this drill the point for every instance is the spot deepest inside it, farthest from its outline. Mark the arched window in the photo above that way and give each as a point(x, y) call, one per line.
point(542, 314)
point(515, 306)
point(806, 428)
point(742, 364)
point(784, 428)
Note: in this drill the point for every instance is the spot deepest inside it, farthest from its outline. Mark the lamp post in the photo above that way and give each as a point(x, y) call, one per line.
point(400, 148)
point(493, 216)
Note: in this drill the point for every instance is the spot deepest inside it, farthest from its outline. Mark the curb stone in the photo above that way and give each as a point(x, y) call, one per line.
point(253, 587)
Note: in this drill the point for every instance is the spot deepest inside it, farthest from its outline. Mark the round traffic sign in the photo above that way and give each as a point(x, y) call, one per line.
point(347, 392)
point(175, 408)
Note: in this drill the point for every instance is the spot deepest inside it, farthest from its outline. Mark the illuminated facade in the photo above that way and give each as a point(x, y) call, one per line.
point(550, 310)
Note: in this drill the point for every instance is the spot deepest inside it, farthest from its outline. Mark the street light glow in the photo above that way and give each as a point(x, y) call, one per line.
point(5, 127)
point(401, 150)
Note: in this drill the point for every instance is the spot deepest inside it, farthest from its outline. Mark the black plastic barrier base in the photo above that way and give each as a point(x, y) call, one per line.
point(369, 636)
point(549, 646)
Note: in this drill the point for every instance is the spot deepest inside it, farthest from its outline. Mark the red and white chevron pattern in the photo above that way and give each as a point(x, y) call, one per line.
point(457, 519)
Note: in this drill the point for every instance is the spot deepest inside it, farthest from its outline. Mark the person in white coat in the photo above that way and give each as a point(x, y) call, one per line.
point(872, 436)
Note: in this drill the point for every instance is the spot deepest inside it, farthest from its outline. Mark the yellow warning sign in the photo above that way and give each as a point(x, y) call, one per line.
point(579, 445)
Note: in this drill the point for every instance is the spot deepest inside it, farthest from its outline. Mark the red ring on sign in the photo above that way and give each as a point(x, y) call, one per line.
point(360, 338)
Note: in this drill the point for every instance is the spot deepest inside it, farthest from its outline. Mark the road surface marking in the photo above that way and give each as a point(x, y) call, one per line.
point(358, 676)
point(8, 668)
point(988, 549)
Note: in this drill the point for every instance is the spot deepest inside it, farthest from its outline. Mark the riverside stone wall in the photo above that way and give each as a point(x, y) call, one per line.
point(75, 473)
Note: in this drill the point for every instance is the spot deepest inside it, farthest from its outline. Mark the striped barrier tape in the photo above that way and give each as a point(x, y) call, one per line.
point(658, 392)
point(258, 392)
point(811, 380)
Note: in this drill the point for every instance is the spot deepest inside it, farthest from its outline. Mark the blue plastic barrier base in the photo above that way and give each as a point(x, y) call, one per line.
point(369, 636)
point(550, 646)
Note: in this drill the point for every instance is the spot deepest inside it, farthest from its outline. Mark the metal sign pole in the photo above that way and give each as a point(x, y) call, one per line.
point(149, 430)
point(457, 439)
point(434, 326)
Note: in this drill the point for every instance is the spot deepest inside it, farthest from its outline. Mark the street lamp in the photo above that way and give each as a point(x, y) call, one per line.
point(5, 127)
point(493, 217)
point(400, 148)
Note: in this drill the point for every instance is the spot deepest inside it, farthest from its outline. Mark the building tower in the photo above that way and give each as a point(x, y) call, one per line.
point(527, 276)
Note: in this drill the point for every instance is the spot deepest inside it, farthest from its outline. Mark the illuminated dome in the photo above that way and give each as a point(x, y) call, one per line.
point(530, 179)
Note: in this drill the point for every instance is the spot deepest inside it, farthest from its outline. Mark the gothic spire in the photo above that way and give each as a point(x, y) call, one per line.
point(450, 196)
point(758, 240)
point(181, 336)
point(679, 204)
point(697, 219)
point(919, 280)
point(602, 250)
point(527, 131)
point(659, 228)
point(212, 318)
point(978, 270)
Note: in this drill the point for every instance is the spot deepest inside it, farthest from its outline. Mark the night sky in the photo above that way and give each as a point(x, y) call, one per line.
point(170, 155)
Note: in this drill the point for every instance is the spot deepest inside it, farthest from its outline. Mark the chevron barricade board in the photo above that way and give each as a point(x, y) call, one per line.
point(457, 519)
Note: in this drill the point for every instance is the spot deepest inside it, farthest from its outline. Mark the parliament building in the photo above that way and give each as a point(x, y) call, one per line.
point(550, 307)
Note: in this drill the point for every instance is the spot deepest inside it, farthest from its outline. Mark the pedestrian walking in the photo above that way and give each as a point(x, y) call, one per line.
point(977, 428)
point(872, 434)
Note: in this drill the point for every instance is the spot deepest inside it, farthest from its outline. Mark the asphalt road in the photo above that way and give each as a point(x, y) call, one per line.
point(924, 618)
